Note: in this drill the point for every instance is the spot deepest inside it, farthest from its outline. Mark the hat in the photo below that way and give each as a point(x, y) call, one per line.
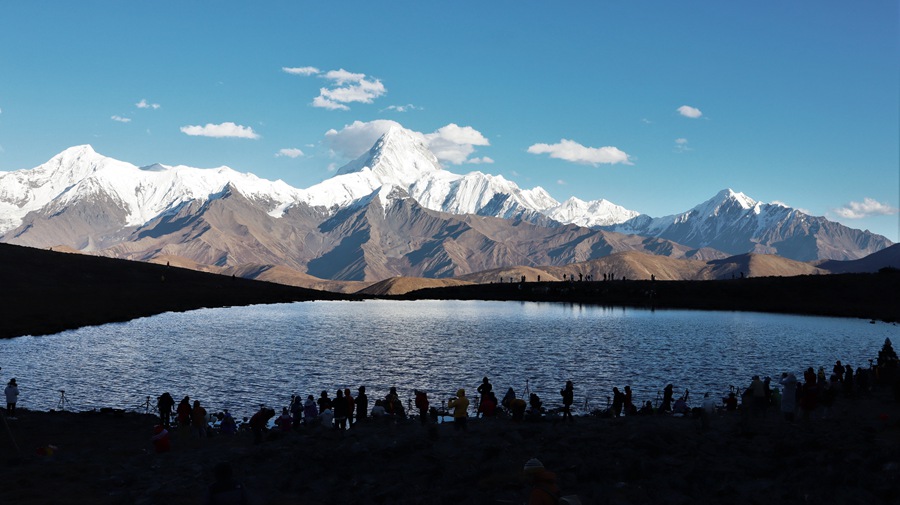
point(533, 465)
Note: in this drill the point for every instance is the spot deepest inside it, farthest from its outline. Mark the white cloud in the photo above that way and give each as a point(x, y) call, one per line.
point(688, 111)
point(479, 161)
point(143, 104)
point(223, 130)
point(401, 108)
point(291, 152)
point(681, 145)
point(560, 182)
point(301, 70)
point(120, 119)
point(347, 87)
point(454, 144)
point(451, 143)
point(868, 207)
point(569, 150)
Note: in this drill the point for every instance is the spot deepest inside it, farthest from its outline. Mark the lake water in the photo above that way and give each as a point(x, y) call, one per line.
point(240, 357)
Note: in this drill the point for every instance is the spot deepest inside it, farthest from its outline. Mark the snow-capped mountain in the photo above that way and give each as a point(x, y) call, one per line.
point(735, 223)
point(79, 174)
point(393, 211)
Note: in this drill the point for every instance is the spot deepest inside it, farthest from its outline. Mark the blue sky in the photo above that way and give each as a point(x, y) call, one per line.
point(653, 105)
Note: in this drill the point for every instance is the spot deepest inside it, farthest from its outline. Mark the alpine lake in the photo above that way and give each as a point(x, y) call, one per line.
point(237, 358)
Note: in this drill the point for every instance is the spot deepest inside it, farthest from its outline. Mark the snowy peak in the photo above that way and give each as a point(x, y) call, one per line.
point(594, 213)
point(400, 156)
point(725, 200)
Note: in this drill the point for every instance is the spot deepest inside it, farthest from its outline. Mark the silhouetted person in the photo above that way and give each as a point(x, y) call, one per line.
point(667, 399)
point(460, 406)
point(259, 421)
point(508, 398)
point(483, 390)
point(12, 396)
point(568, 395)
point(183, 416)
point(618, 402)
point(164, 404)
point(422, 405)
point(310, 410)
point(198, 420)
point(324, 402)
point(362, 404)
point(339, 406)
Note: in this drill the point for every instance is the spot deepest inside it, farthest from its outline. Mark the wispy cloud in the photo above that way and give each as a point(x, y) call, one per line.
point(301, 70)
point(688, 111)
point(561, 182)
point(120, 119)
point(144, 104)
point(401, 108)
point(867, 208)
point(451, 143)
point(291, 152)
point(569, 150)
point(681, 145)
point(223, 130)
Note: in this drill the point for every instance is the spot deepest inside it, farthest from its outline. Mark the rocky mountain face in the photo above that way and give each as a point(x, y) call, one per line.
point(392, 212)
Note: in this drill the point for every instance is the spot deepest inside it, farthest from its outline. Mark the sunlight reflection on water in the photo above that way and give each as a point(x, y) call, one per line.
point(241, 357)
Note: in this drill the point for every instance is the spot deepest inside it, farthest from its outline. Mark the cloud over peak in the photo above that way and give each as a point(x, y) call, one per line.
point(569, 150)
point(222, 130)
point(291, 152)
point(450, 144)
point(345, 87)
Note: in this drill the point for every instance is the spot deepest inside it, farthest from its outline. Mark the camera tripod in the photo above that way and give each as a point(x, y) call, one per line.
point(63, 401)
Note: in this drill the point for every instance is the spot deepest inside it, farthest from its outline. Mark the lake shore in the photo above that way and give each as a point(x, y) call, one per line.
point(48, 292)
point(849, 457)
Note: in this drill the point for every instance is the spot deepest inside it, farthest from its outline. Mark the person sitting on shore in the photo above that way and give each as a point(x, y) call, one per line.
point(326, 418)
point(507, 399)
point(310, 410)
point(681, 406)
point(535, 407)
point(517, 406)
point(646, 409)
point(284, 420)
point(730, 402)
point(378, 411)
point(227, 426)
point(160, 439)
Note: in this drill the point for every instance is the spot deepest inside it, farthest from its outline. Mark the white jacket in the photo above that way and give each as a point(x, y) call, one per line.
point(12, 393)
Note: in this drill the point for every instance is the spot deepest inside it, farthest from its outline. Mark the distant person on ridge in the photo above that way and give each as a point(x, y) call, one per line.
point(460, 406)
point(568, 395)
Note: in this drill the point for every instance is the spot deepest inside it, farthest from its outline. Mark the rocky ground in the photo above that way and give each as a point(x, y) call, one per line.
point(851, 457)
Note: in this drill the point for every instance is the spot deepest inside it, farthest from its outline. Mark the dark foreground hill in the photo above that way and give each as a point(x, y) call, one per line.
point(869, 296)
point(47, 292)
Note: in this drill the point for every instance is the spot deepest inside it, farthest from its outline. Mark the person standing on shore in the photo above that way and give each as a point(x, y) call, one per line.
point(789, 398)
point(12, 396)
point(198, 420)
point(568, 394)
point(362, 404)
point(164, 403)
point(183, 416)
point(483, 390)
point(667, 400)
point(460, 406)
point(422, 405)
